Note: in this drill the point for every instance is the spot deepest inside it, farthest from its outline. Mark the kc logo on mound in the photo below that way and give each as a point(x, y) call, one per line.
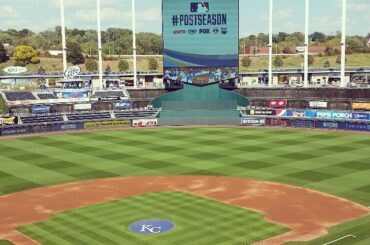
point(151, 227)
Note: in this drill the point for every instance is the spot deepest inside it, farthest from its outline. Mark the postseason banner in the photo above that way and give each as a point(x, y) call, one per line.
point(201, 40)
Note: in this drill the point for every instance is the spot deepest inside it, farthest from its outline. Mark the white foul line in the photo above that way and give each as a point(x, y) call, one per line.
point(339, 239)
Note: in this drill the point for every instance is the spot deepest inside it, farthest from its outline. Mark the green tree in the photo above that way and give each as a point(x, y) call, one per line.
point(246, 61)
point(152, 64)
point(278, 61)
point(327, 64)
point(24, 53)
point(35, 60)
point(91, 65)
point(123, 65)
point(74, 53)
point(3, 54)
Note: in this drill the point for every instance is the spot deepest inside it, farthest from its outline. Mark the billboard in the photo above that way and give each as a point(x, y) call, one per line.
point(144, 122)
point(261, 112)
point(253, 121)
point(123, 105)
point(278, 103)
point(82, 106)
point(107, 124)
point(278, 122)
point(303, 124)
point(8, 120)
point(200, 40)
point(40, 109)
point(360, 106)
point(75, 94)
point(318, 104)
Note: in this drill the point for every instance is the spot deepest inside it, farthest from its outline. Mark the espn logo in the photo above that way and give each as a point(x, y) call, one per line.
point(199, 7)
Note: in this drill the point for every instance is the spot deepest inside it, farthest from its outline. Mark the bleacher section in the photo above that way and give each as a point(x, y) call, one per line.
point(88, 116)
point(16, 96)
point(41, 119)
point(47, 96)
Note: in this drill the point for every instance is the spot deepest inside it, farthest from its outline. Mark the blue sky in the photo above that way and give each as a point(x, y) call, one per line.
point(288, 15)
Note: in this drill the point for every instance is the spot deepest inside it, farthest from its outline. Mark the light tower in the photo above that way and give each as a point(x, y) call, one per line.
point(271, 5)
point(100, 63)
point(134, 42)
point(63, 31)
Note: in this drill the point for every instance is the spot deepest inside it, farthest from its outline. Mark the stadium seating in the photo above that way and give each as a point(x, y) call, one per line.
point(14, 96)
point(41, 119)
point(88, 116)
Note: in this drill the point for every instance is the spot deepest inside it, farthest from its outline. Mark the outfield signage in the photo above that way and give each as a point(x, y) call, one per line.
point(333, 115)
point(15, 69)
point(107, 124)
point(8, 120)
point(72, 72)
point(253, 121)
point(296, 113)
point(318, 104)
point(13, 131)
point(303, 124)
point(360, 106)
point(358, 126)
point(82, 106)
point(152, 227)
point(277, 103)
point(201, 40)
point(360, 116)
point(40, 109)
point(68, 126)
point(278, 122)
point(262, 112)
point(145, 122)
point(330, 125)
point(124, 105)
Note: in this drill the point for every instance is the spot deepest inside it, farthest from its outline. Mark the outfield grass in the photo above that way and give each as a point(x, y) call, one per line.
point(335, 163)
point(197, 221)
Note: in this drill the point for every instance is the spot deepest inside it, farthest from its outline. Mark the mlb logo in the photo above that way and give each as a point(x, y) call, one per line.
point(199, 7)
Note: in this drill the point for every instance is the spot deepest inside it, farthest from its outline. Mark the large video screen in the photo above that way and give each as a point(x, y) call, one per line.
point(201, 40)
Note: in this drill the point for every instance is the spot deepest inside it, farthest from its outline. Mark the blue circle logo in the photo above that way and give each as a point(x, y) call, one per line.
point(152, 227)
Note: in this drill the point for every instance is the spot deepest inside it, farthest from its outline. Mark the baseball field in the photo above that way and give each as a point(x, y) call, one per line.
point(217, 185)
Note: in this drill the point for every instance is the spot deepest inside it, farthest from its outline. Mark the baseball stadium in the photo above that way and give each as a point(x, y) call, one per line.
point(203, 150)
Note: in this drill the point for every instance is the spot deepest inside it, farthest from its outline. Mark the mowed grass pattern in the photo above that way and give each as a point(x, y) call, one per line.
point(335, 163)
point(197, 221)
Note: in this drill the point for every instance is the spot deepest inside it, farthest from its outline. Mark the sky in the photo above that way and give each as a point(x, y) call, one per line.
point(39, 15)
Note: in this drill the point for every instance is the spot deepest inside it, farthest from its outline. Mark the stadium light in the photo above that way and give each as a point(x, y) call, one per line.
point(343, 45)
point(134, 42)
point(63, 31)
point(306, 42)
point(99, 44)
point(271, 5)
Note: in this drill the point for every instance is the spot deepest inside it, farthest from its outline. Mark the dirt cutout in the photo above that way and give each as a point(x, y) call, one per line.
point(308, 213)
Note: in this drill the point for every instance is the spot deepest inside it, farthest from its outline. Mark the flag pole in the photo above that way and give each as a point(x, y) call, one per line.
point(306, 42)
point(63, 31)
point(100, 63)
point(134, 43)
point(343, 44)
point(271, 4)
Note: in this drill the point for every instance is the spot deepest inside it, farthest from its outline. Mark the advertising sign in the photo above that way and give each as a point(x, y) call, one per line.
point(333, 115)
point(278, 122)
point(330, 125)
point(40, 109)
point(200, 40)
point(262, 112)
point(253, 121)
point(358, 126)
point(281, 113)
point(8, 120)
point(318, 104)
point(68, 126)
point(13, 131)
point(360, 106)
point(277, 103)
point(107, 124)
point(75, 94)
point(72, 72)
point(39, 129)
point(82, 106)
point(295, 113)
point(15, 69)
point(303, 124)
point(360, 116)
point(123, 105)
point(144, 122)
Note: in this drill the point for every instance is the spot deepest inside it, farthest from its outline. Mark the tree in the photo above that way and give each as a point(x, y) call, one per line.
point(318, 37)
point(327, 64)
point(3, 54)
point(152, 64)
point(278, 61)
point(246, 61)
point(311, 60)
point(41, 70)
point(35, 60)
point(74, 53)
point(24, 53)
point(91, 65)
point(123, 65)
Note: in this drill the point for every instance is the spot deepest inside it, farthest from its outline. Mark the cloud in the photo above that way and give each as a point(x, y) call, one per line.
point(359, 7)
point(8, 11)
